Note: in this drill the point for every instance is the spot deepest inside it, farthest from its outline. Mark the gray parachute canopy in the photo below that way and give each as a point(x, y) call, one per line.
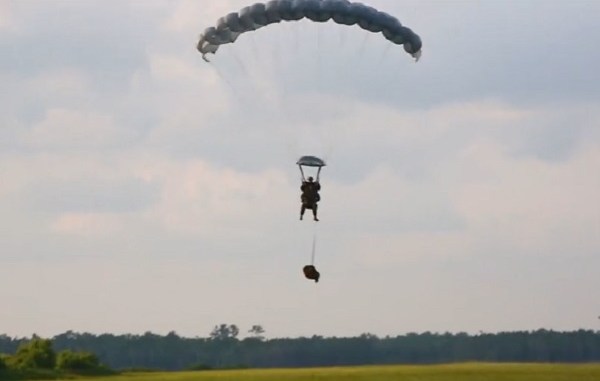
point(311, 161)
point(344, 12)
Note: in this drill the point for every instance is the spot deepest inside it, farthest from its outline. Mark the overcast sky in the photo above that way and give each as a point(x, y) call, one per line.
point(143, 189)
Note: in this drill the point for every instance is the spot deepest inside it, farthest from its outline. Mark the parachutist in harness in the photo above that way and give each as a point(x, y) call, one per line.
point(310, 187)
point(310, 272)
point(310, 197)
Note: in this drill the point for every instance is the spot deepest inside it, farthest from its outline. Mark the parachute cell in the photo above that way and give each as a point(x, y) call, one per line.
point(343, 12)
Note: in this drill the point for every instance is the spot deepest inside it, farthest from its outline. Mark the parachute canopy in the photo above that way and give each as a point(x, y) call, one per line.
point(311, 161)
point(229, 27)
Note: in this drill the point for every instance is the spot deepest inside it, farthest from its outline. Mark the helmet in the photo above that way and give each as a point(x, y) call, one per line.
point(310, 178)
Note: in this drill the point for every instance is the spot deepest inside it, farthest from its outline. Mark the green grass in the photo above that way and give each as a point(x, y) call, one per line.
point(453, 372)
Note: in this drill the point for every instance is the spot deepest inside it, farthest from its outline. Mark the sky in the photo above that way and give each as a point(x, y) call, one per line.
point(144, 189)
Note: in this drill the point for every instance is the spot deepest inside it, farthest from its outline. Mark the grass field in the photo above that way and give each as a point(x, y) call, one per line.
point(462, 372)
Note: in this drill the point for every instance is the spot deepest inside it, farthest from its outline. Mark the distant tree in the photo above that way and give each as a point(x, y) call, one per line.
point(224, 332)
point(257, 332)
point(77, 361)
point(35, 354)
point(3, 362)
point(368, 336)
point(7, 344)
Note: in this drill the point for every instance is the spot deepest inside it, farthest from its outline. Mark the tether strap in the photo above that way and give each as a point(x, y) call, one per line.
point(314, 246)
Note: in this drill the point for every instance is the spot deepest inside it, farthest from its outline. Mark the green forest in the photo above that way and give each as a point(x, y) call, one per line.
point(223, 349)
point(36, 358)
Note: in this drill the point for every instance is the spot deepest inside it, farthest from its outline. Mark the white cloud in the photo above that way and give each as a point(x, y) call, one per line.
point(75, 130)
point(198, 88)
point(194, 15)
point(176, 168)
point(198, 198)
point(88, 224)
point(5, 15)
point(529, 205)
point(380, 250)
point(55, 86)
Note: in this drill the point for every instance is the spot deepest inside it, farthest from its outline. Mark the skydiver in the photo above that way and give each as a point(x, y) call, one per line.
point(310, 272)
point(310, 197)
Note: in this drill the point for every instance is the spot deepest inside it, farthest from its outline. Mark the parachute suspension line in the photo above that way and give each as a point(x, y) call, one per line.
point(342, 41)
point(342, 71)
point(319, 80)
point(328, 72)
point(297, 37)
point(276, 53)
point(254, 49)
point(233, 89)
point(302, 173)
point(239, 62)
point(288, 41)
point(314, 246)
point(384, 53)
point(330, 147)
point(361, 60)
point(363, 45)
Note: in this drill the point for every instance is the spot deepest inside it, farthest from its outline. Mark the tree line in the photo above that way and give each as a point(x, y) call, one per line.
point(223, 349)
point(35, 358)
